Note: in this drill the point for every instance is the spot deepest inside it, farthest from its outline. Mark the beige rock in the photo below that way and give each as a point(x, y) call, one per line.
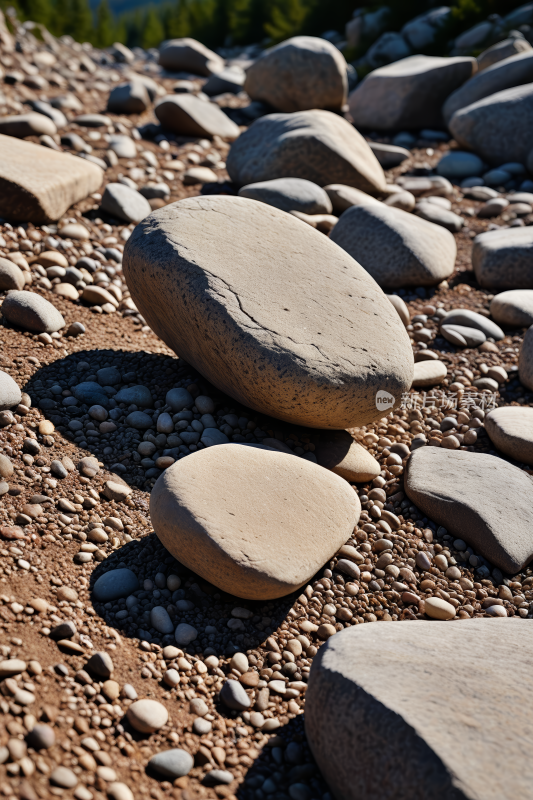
point(437, 608)
point(265, 539)
point(343, 197)
point(96, 296)
point(338, 452)
point(429, 373)
point(147, 716)
point(322, 222)
point(300, 73)
point(403, 200)
point(237, 266)
point(196, 175)
point(427, 731)
point(66, 290)
point(51, 258)
point(525, 359)
point(116, 491)
point(511, 431)
point(188, 115)
point(11, 276)
point(401, 308)
point(514, 307)
point(22, 125)
point(316, 145)
point(38, 184)
point(189, 55)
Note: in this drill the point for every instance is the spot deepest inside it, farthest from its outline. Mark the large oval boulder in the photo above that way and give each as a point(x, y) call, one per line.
point(396, 248)
point(255, 522)
point(269, 310)
point(316, 145)
point(300, 73)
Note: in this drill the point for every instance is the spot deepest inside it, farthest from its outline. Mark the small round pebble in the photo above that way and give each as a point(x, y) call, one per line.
point(147, 716)
point(119, 791)
point(234, 696)
point(63, 777)
point(185, 634)
point(173, 763)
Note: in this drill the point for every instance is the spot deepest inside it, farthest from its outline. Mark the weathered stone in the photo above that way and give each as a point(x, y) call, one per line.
point(497, 127)
point(513, 71)
point(128, 98)
point(284, 364)
point(525, 360)
point(479, 498)
point(245, 547)
point(10, 394)
point(397, 249)
point(300, 73)
point(172, 764)
point(358, 697)
point(401, 308)
point(503, 259)
point(147, 716)
point(317, 145)
point(188, 55)
point(38, 184)
point(188, 115)
point(11, 276)
point(432, 212)
point(125, 203)
point(290, 194)
point(511, 430)
point(229, 80)
point(23, 125)
point(389, 155)
point(338, 452)
point(343, 197)
point(500, 51)
point(514, 308)
point(471, 319)
point(429, 373)
point(30, 311)
point(408, 93)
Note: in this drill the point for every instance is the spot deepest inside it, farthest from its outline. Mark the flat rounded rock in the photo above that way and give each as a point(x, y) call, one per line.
point(429, 373)
point(437, 608)
point(338, 452)
point(511, 431)
point(30, 311)
point(401, 308)
point(114, 584)
point(10, 394)
point(136, 395)
point(470, 319)
point(343, 197)
point(188, 115)
point(248, 548)
point(189, 55)
point(125, 203)
point(172, 764)
point(316, 145)
point(479, 498)
point(23, 125)
point(147, 716)
point(289, 194)
point(191, 274)
point(357, 696)
point(462, 336)
point(396, 248)
point(503, 259)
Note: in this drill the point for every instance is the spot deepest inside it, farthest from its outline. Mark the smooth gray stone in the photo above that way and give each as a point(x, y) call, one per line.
point(409, 93)
point(457, 164)
point(234, 696)
point(188, 115)
point(114, 584)
point(290, 194)
point(472, 336)
point(173, 763)
point(178, 399)
point(10, 394)
point(160, 190)
point(511, 430)
point(480, 498)
point(215, 777)
point(413, 739)
point(497, 128)
point(101, 664)
point(135, 395)
point(125, 203)
point(396, 248)
point(229, 80)
point(188, 55)
point(514, 308)
point(57, 116)
point(212, 436)
point(30, 311)
point(504, 259)
point(91, 393)
point(470, 319)
point(108, 376)
point(439, 216)
point(389, 155)
point(139, 420)
point(123, 146)
point(513, 71)
point(500, 51)
point(128, 98)
point(160, 620)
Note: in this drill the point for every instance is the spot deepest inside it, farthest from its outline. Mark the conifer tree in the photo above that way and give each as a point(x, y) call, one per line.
point(104, 34)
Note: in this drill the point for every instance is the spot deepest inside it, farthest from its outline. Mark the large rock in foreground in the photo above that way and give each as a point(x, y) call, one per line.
point(38, 184)
point(497, 128)
point(409, 93)
point(300, 73)
point(396, 248)
point(269, 310)
point(317, 145)
point(188, 55)
point(503, 259)
point(513, 71)
point(426, 729)
point(255, 522)
point(481, 499)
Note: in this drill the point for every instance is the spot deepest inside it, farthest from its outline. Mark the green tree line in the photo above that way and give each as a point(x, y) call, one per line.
point(219, 23)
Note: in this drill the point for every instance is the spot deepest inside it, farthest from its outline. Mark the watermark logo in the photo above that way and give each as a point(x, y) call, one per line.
point(384, 400)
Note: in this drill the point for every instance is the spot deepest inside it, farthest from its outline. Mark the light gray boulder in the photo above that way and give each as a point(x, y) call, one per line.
point(290, 194)
point(229, 80)
point(514, 308)
point(299, 74)
point(482, 499)
point(396, 248)
point(237, 265)
point(500, 51)
point(498, 128)
point(128, 98)
point(31, 312)
point(125, 203)
point(188, 115)
point(188, 55)
point(10, 394)
point(377, 730)
point(317, 145)
point(408, 94)
point(511, 430)
point(440, 216)
point(503, 259)
point(513, 71)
